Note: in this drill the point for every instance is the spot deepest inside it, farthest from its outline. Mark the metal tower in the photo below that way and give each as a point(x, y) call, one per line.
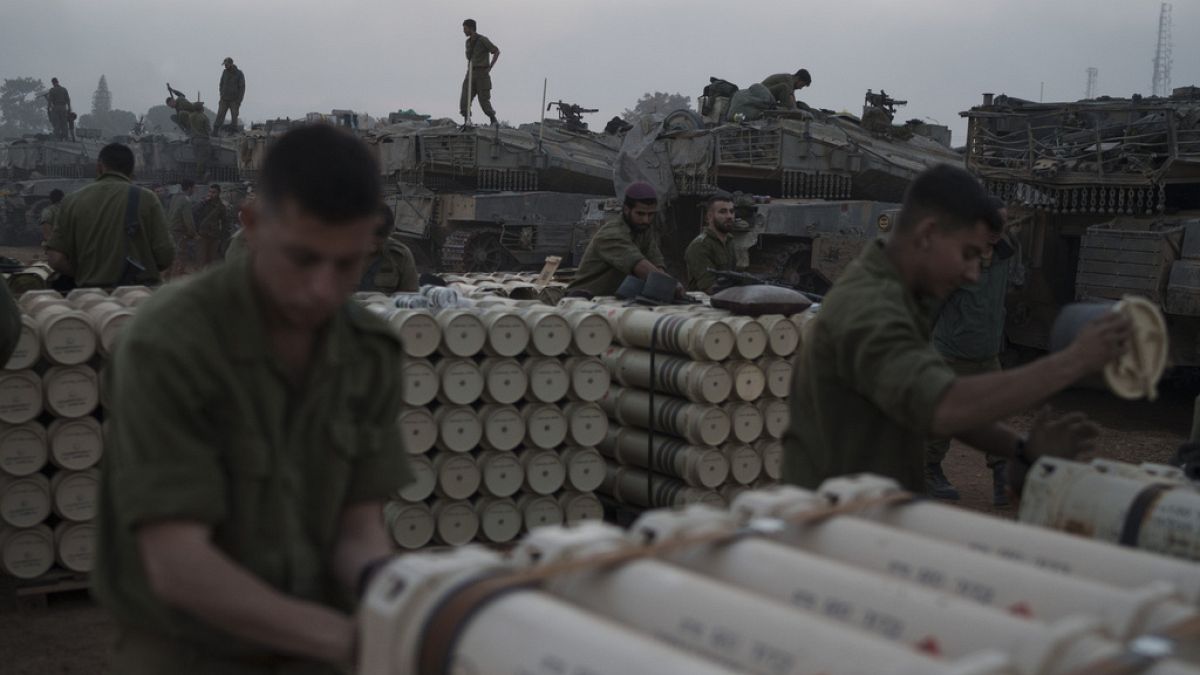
point(1162, 54)
point(1092, 74)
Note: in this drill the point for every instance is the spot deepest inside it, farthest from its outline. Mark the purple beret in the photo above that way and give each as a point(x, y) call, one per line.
point(640, 192)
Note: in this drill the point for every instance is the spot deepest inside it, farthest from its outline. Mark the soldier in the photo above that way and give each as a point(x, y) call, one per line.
point(625, 244)
point(874, 389)
point(478, 81)
point(111, 232)
point(188, 116)
point(215, 225)
point(713, 248)
point(391, 268)
point(254, 438)
point(969, 335)
point(783, 86)
point(233, 90)
point(49, 214)
point(58, 107)
point(181, 223)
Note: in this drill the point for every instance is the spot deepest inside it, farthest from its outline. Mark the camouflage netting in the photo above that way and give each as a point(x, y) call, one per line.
point(646, 157)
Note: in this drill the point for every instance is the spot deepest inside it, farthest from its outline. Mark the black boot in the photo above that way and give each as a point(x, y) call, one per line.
point(493, 120)
point(937, 485)
point(1000, 484)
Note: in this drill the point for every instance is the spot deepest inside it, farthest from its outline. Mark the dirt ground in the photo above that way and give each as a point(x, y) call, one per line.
point(70, 636)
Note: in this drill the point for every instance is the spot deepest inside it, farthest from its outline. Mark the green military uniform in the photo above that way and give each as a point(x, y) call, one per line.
point(612, 254)
point(232, 89)
point(49, 214)
point(392, 270)
point(706, 252)
point(58, 105)
point(479, 51)
point(10, 324)
point(182, 225)
point(214, 227)
point(783, 87)
point(190, 117)
point(867, 380)
point(90, 232)
point(207, 427)
point(969, 334)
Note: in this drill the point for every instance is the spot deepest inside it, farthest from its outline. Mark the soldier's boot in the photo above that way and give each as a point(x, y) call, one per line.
point(1000, 484)
point(493, 119)
point(937, 485)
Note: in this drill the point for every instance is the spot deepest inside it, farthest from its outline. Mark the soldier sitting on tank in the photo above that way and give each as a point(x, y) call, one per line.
point(391, 268)
point(783, 86)
point(712, 251)
point(189, 116)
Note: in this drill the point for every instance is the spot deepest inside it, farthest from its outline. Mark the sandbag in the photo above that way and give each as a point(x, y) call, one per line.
point(761, 299)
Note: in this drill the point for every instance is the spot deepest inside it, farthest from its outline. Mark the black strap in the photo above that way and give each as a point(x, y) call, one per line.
point(130, 268)
point(1139, 510)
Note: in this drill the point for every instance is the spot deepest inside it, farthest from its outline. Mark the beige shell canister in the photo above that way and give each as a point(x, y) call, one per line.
point(637, 487)
point(771, 452)
point(455, 522)
point(697, 423)
point(749, 381)
point(702, 339)
point(108, 319)
point(697, 381)
point(745, 465)
point(549, 332)
point(31, 301)
point(66, 334)
point(75, 545)
point(25, 500)
point(775, 414)
point(746, 422)
point(79, 296)
point(424, 479)
point(580, 506)
point(501, 473)
point(20, 396)
point(463, 334)
point(778, 375)
point(587, 423)
point(75, 444)
point(591, 333)
point(750, 338)
point(539, 511)
point(458, 476)
point(418, 382)
point(548, 379)
point(504, 379)
point(503, 426)
point(545, 425)
point(590, 378)
point(23, 450)
point(131, 296)
point(419, 333)
point(418, 429)
point(499, 519)
point(782, 336)
point(459, 428)
point(585, 468)
point(26, 553)
point(695, 466)
point(71, 391)
point(507, 334)
point(75, 494)
point(460, 381)
point(29, 346)
point(411, 525)
point(544, 470)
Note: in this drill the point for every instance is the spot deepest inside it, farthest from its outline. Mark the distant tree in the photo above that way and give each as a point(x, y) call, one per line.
point(22, 109)
point(658, 103)
point(158, 120)
point(101, 99)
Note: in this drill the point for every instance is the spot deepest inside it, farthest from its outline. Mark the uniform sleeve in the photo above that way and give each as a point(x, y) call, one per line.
point(655, 255)
point(619, 251)
point(161, 245)
point(163, 466)
point(62, 239)
point(10, 324)
point(490, 46)
point(409, 281)
point(884, 358)
point(381, 464)
point(699, 259)
point(241, 86)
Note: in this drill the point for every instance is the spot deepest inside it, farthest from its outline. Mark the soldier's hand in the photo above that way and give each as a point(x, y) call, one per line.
point(1067, 436)
point(1102, 340)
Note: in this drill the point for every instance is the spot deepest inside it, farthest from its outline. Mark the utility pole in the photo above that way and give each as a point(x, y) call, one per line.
point(1092, 75)
point(1161, 85)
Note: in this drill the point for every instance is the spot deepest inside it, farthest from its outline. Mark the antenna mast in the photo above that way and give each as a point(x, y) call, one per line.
point(1161, 86)
point(1092, 75)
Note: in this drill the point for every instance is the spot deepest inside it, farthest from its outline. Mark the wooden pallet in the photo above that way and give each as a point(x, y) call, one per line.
point(34, 593)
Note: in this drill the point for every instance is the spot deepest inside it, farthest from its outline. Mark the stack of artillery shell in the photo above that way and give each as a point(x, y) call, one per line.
point(714, 424)
point(50, 427)
point(500, 420)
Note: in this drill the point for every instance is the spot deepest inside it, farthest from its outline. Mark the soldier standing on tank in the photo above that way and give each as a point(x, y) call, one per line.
point(232, 90)
point(713, 248)
point(58, 107)
point(783, 86)
point(478, 81)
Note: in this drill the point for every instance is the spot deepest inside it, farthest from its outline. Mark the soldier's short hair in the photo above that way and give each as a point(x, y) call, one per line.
point(325, 171)
point(469, 23)
point(187, 184)
point(56, 196)
point(718, 196)
point(951, 195)
point(117, 157)
point(387, 222)
point(54, 80)
point(803, 75)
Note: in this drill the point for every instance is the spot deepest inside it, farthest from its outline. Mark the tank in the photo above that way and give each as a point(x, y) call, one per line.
point(810, 185)
point(1107, 192)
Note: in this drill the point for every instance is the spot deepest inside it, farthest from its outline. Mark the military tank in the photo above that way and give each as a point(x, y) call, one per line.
point(1108, 191)
point(813, 185)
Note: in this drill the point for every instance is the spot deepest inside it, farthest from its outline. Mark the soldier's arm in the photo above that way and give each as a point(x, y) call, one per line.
point(622, 254)
point(155, 222)
point(409, 279)
point(495, 52)
point(655, 255)
point(60, 249)
point(698, 262)
point(10, 324)
point(241, 86)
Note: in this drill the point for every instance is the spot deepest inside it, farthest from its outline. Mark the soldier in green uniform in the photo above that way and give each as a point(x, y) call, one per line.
point(181, 223)
point(232, 90)
point(478, 81)
point(189, 117)
point(713, 248)
point(214, 226)
point(625, 244)
point(969, 335)
point(870, 389)
point(783, 86)
point(111, 232)
point(254, 438)
point(49, 214)
point(391, 267)
point(58, 108)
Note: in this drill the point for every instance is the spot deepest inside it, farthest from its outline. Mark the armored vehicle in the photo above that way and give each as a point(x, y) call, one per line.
point(1108, 191)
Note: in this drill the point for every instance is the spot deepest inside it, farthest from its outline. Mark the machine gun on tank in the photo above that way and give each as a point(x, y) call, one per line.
point(882, 100)
point(571, 114)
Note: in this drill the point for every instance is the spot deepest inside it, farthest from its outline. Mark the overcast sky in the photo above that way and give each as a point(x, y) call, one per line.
point(378, 56)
